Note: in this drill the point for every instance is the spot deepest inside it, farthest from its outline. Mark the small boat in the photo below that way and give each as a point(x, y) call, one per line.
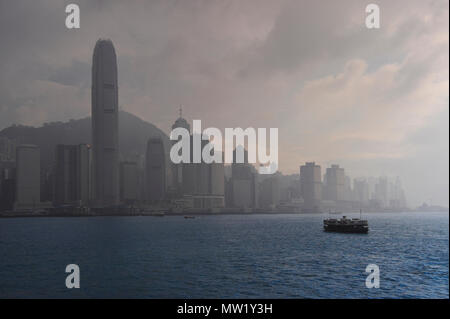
point(346, 225)
point(189, 217)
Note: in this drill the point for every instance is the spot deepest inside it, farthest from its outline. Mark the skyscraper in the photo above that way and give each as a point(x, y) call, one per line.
point(129, 182)
point(105, 125)
point(361, 188)
point(397, 195)
point(311, 186)
point(7, 149)
point(28, 177)
point(155, 167)
point(177, 169)
point(270, 191)
point(244, 180)
point(7, 184)
point(202, 184)
point(217, 183)
point(381, 191)
point(334, 183)
point(72, 174)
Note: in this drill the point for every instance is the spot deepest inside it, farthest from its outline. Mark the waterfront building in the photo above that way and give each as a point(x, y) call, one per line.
point(7, 184)
point(311, 186)
point(28, 165)
point(397, 199)
point(217, 183)
point(361, 190)
point(381, 192)
point(177, 169)
point(155, 168)
point(7, 149)
point(244, 182)
point(72, 171)
point(334, 183)
point(204, 183)
point(270, 191)
point(129, 182)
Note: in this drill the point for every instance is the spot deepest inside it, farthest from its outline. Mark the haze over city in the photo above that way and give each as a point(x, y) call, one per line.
point(372, 101)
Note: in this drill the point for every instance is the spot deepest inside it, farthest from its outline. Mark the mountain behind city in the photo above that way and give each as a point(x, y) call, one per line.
point(133, 137)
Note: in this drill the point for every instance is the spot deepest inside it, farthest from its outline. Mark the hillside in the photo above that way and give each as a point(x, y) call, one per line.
point(133, 136)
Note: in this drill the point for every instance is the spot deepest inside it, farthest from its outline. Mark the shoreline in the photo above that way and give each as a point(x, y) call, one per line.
point(62, 215)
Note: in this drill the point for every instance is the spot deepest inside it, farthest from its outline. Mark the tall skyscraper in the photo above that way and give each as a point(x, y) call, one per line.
point(311, 186)
point(28, 179)
point(105, 125)
point(155, 167)
point(72, 164)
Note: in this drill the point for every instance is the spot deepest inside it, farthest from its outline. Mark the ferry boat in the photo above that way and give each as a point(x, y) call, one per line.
point(346, 225)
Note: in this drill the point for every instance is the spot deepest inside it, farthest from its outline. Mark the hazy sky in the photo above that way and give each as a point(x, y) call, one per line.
point(375, 101)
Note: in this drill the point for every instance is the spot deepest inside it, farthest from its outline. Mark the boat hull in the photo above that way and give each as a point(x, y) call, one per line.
point(346, 229)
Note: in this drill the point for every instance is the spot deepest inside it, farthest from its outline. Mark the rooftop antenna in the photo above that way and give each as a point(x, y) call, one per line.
point(181, 111)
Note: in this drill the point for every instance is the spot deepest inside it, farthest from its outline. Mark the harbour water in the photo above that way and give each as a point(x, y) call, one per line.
point(227, 256)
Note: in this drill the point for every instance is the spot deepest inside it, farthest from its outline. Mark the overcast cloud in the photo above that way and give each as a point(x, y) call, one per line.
point(374, 101)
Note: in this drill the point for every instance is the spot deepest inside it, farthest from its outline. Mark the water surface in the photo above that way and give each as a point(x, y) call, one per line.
point(228, 256)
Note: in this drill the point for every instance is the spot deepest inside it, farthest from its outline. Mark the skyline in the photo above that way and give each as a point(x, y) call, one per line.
point(69, 170)
point(365, 100)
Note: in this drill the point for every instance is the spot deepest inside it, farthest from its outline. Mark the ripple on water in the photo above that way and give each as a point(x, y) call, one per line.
point(242, 256)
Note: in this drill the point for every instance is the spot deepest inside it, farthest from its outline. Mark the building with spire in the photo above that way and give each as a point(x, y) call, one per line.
point(181, 122)
point(177, 169)
point(202, 185)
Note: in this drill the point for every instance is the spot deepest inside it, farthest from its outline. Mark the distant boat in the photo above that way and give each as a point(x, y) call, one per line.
point(189, 217)
point(346, 225)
